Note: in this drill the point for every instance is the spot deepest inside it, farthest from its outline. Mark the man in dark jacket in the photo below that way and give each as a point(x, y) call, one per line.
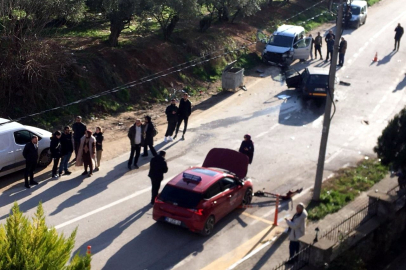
point(328, 36)
point(172, 117)
point(79, 130)
point(330, 48)
point(149, 135)
point(67, 150)
point(185, 109)
point(157, 168)
point(341, 52)
point(56, 148)
point(30, 154)
point(317, 45)
point(398, 36)
point(136, 136)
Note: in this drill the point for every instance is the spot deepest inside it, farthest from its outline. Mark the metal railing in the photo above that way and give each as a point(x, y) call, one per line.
point(342, 230)
point(299, 261)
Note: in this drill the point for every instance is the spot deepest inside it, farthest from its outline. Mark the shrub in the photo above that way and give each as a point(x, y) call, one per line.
point(32, 245)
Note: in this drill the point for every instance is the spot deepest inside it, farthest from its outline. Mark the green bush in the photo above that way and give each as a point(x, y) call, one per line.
point(391, 146)
point(32, 245)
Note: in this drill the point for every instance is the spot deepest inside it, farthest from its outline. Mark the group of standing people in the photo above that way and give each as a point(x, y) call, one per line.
point(88, 148)
point(329, 40)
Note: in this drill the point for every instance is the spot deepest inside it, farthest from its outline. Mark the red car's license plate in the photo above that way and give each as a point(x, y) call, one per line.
point(173, 221)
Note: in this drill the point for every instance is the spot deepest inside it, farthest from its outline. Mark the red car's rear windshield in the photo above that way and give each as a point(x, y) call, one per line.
point(182, 197)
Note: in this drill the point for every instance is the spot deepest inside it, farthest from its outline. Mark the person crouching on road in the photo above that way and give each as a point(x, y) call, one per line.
point(247, 147)
point(87, 153)
point(157, 168)
point(172, 117)
point(67, 144)
point(99, 146)
point(297, 228)
point(30, 154)
point(55, 148)
point(149, 130)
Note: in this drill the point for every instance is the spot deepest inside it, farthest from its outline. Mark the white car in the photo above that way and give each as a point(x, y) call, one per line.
point(13, 138)
point(284, 46)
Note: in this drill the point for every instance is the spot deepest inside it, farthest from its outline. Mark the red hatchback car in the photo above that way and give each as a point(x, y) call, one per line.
point(200, 196)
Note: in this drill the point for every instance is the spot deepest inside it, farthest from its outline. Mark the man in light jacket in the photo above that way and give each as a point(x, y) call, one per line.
point(297, 228)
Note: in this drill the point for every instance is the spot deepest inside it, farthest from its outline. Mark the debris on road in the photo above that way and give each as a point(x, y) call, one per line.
point(284, 97)
point(365, 122)
point(244, 88)
point(288, 195)
point(345, 83)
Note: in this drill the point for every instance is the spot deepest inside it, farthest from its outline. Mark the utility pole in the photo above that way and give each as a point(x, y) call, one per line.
point(327, 113)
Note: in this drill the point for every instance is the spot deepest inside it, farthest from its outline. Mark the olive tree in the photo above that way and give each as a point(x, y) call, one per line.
point(224, 8)
point(168, 13)
point(120, 13)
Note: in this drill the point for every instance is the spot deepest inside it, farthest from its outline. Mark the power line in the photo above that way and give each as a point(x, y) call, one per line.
point(160, 74)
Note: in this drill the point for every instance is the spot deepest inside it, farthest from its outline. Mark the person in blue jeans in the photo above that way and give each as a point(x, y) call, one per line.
point(330, 48)
point(67, 144)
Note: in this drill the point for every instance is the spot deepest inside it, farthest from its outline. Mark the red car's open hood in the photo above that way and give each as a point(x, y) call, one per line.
point(229, 160)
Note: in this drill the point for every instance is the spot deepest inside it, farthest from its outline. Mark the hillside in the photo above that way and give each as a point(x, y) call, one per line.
point(88, 66)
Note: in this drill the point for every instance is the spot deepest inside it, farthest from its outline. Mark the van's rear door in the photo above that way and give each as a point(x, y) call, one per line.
point(7, 152)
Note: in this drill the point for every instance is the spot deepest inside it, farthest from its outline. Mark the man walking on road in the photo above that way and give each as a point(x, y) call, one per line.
point(330, 48)
point(172, 117)
point(79, 130)
point(317, 45)
point(328, 36)
point(398, 36)
point(157, 168)
point(185, 109)
point(297, 228)
point(30, 154)
point(341, 52)
point(136, 136)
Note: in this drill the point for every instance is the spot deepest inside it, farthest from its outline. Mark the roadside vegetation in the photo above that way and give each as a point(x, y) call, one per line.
point(32, 244)
point(347, 184)
point(55, 54)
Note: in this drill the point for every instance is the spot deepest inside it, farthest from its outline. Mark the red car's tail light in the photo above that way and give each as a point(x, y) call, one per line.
point(196, 211)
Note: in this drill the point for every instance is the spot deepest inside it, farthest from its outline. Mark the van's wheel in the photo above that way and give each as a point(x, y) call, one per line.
point(208, 226)
point(365, 20)
point(45, 158)
point(358, 24)
point(247, 197)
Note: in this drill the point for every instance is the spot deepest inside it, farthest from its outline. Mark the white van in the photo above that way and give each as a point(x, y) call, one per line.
point(285, 45)
point(13, 138)
point(359, 10)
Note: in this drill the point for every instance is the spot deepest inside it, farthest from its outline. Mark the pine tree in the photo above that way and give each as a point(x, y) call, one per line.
point(32, 245)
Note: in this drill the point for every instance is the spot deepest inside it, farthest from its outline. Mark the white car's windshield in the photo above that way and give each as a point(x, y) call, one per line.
point(281, 41)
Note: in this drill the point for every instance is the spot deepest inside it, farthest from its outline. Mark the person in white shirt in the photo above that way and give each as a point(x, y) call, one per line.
point(136, 136)
point(297, 228)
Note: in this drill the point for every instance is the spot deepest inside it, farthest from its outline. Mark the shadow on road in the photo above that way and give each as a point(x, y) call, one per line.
point(299, 111)
point(386, 59)
point(103, 240)
point(401, 85)
point(268, 254)
point(160, 246)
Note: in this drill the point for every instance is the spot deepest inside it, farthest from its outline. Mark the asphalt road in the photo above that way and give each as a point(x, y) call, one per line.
point(111, 209)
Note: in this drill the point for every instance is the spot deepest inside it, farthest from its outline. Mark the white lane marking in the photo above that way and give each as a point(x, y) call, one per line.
point(135, 194)
point(266, 132)
point(383, 99)
point(252, 253)
point(376, 108)
point(262, 134)
point(351, 138)
point(345, 144)
point(333, 156)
